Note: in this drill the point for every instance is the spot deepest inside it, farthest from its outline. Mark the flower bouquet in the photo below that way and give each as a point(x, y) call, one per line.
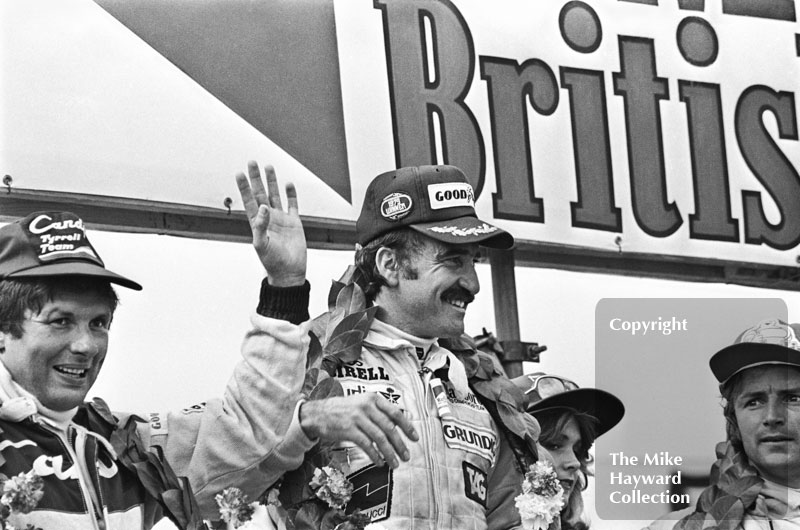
point(21, 494)
point(542, 497)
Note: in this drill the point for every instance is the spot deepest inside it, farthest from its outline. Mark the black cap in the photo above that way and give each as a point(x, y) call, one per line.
point(564, 394)
point(771, 341)
point(52, 244)
point(434, 200)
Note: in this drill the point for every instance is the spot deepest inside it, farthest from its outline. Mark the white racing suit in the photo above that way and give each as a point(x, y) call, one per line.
point(247, 439)
point(453, 466)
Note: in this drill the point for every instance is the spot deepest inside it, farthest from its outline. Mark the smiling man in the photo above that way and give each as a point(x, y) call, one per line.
point(94, 469)
point(755, 483)
point(419, 239)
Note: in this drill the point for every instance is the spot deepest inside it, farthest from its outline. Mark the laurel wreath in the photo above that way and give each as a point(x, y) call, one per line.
point(342, 330)
point(734, 488)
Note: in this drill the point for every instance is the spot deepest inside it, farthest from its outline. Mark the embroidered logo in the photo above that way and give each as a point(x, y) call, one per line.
point(474, 483)
point(396, 206)
point(60, 236)
point(356, 370)
point(470, 438)
point(389, 393)
point(158, 423)
point(194, 409)
point(772, 331)
point(464, 232)
point(46, 465)
point(372, 492)
point(468, 401)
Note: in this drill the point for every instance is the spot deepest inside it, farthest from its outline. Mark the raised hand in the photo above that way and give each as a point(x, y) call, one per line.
point(278, 236)
point(366, 419)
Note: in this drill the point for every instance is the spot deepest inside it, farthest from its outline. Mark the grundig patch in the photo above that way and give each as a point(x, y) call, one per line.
point(396, 206)
point(470, 438)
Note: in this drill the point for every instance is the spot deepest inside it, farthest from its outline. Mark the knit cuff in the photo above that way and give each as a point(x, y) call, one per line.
point(284, 303)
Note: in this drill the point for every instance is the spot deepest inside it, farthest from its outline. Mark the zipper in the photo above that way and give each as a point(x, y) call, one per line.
point(421, 387)
point(63, 439)
point(80, 443)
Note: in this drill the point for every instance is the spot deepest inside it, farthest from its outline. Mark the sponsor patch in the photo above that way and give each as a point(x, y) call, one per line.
point(389, 392)
point(390, 395)
point(372, 492)
point(60, 235)
point(470, 438)
point(474, 483)
point(469, 401)
point(357, 370)
point(396, 206)
point(158, 423)
point(200, 407)
point(464, 232)
point(451, 195)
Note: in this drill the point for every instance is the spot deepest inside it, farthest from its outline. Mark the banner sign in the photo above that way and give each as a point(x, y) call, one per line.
point(655, 126)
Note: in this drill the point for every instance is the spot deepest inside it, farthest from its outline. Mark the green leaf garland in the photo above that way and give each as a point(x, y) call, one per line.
point(343, 329)
point(733, 490)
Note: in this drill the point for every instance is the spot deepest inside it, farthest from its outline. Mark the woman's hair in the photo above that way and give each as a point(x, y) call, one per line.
point(553, 422)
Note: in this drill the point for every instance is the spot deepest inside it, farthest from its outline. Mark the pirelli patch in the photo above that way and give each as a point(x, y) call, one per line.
point(470, 438)
point(474, 483)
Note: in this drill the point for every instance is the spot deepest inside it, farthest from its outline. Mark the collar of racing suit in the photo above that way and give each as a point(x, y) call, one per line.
point(18, 403)
point(387, 337)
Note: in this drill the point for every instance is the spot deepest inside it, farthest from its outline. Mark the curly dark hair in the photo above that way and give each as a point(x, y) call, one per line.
point(406, 243)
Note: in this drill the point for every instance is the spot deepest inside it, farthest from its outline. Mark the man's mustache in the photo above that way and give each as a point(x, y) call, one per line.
point(456, 292)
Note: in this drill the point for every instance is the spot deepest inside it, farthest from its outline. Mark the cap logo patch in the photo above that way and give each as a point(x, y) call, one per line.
point(56, 237)
point(396, 206)
point(451, 195)
point(772, 331)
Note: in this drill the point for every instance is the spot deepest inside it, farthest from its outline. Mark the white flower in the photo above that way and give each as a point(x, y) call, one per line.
point(23, 492)
point(273, 497)
point(542, 497)
point(332, 486)
point(234, 507)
